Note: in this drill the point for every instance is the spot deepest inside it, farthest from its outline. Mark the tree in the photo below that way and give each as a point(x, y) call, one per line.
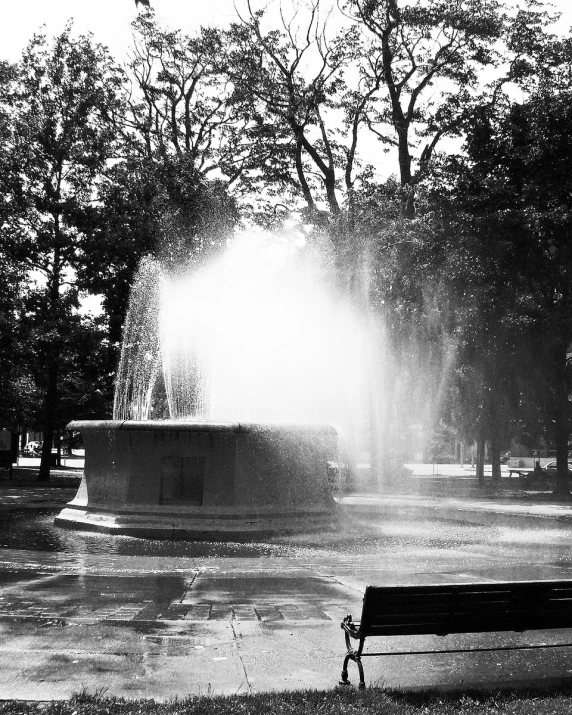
point(429, 59)
point(11, 278)
point(401, 283)
point(511, 192)
point(180, 102)
point(18, 392)
point(290, 81)
point(159, 205)
point(62, 132)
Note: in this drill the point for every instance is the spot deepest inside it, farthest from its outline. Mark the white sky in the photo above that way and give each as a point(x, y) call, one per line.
point(109, 20)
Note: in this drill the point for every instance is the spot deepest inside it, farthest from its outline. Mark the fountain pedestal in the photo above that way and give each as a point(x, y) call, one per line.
point(202, 480)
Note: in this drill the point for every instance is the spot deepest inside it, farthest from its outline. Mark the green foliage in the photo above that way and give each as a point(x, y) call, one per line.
point(505, 207)
point(181, 103)
point(427, 61)
point(60, 132)
point(160, 205)
point(288, 80)
point(19, 393)
point(101, 166)
point(82, 201)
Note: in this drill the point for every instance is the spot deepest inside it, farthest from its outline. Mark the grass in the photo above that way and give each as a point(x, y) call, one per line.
point(346, 701)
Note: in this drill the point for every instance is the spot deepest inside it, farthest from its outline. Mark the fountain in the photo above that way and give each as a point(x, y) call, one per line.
point(234, 381)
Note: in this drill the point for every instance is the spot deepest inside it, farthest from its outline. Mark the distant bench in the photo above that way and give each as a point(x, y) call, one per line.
point(520, 471)
point(516, 466)
point(457, 608)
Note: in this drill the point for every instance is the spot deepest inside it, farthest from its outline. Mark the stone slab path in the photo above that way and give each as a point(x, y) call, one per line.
point(143, 619)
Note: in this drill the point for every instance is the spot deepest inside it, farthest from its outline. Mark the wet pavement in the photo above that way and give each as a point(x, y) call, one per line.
point(142, 618)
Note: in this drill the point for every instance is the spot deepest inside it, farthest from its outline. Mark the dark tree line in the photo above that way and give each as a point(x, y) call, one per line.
point(462, 255)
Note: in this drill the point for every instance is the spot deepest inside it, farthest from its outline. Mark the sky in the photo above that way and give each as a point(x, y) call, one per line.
point(109, 20)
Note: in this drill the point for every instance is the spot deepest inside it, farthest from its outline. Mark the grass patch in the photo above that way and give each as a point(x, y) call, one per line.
point(373, 701)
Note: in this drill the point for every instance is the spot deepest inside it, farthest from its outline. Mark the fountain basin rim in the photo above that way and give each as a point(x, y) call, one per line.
point(198, 426)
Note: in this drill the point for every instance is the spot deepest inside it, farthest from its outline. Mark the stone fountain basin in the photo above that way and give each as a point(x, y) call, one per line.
point(202, 480)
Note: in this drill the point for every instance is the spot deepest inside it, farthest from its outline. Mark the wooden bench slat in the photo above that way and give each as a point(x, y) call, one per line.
point(470, 624)
point(482, 609)
point(470, 591)
point(472, 587)
point(376, 599)
point(467, 625)
point(396, 610)
point(431, 607)
point(418, 629)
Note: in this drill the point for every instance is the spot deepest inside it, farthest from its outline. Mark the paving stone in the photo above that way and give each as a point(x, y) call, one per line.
point(259, 623)
point(147, 613)
point(126, 613)
point(175, 612)
point(337, 611)
point(178, 647)
point(221, 612)
point(268, 612)
point(244, 612)
point(302, 612)
point(198, 612)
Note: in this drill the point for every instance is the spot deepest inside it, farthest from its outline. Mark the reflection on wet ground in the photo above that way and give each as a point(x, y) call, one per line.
point(166, 618)
point(34, 531)
point(88, 596)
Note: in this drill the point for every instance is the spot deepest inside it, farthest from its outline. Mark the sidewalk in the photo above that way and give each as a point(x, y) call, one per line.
point(150, 619)
point(461, 508)
point(457, 491)
point(25, 492)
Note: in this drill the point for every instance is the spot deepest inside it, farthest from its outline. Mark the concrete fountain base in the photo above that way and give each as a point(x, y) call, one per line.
point(202, 480)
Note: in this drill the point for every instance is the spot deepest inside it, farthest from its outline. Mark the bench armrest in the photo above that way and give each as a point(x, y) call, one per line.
point(352, 628)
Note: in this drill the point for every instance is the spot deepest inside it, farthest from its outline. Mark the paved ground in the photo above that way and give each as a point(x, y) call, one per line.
point(156, 619)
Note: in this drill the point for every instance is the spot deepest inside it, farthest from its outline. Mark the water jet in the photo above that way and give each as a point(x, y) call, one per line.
point(230, 380)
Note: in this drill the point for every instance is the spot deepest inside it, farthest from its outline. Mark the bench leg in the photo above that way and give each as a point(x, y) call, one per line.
point(361, 685)
point(345, 679)
point(357, 661)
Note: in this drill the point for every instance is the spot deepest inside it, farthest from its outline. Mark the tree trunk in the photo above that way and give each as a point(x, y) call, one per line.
point(49, 421)
point(68, 444)
point(52, 360)
point(58, 448)
point(561, 420)
point(495, 458)
point(330, 184)
point(481, 457)
point(302, 177)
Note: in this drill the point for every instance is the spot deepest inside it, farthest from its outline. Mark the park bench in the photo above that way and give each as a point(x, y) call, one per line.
point(520, 471)
point(456, 608)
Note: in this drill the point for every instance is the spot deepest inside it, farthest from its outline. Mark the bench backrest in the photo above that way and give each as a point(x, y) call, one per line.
point(466, 608)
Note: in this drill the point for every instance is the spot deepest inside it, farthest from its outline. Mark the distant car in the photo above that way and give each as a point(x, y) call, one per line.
point(550, 469)
point(33, 448)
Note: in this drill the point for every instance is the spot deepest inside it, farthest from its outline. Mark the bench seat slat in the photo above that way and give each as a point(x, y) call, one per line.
point(466, 617)
point(473, 587)
point(380, 603)
point(469, 624)
point(420, 629)
point(472, 596)
point(511, 586)
point(466, 610)
point(480, 607)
